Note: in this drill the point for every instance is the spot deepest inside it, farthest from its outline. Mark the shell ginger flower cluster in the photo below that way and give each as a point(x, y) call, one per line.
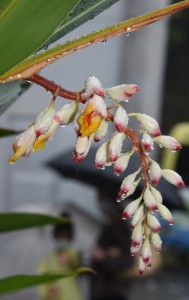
point(91, 116)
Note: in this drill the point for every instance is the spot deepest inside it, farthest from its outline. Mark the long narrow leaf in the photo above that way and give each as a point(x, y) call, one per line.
point(84, 11)
point(26, 25)
point(18, 282)
point(17, 221)
point(34, 64)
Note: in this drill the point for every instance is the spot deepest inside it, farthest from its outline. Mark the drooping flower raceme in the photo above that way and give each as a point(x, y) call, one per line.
point(91, 117)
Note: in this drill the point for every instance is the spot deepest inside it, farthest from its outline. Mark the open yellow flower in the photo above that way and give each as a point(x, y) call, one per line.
point(93, 113)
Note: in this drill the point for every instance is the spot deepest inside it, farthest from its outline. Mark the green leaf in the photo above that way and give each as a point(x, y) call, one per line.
point(26, 25)
point(4, 132)
point(9, 92)
point(18, 282)
point(35, 63)
point(17, 221)
point(84, 11)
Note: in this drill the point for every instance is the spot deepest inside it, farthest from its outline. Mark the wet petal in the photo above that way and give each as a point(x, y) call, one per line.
point(121, 119)
point(149, 123)
point(122, 92)
point(168, 142)
point(173, 177)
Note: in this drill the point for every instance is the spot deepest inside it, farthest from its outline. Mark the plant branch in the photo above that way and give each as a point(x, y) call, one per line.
point(52, 87)
point(37, 62)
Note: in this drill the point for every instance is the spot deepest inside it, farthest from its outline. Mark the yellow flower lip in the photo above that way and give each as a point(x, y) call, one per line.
point(89, 121)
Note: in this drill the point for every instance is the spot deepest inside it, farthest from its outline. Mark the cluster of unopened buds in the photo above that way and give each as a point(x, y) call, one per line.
point(91, 117)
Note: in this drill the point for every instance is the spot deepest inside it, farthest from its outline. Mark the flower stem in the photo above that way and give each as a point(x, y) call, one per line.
point(53, 87)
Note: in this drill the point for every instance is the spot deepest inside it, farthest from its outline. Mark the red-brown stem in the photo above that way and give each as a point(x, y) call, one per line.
point(138, 146)
point(53, 87)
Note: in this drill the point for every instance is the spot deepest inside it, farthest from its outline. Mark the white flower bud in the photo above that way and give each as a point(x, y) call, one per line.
point(165, 213)
point(128, 182)
point(137, 235)
point(102, 156)
point(121, 119)
point(147, 142)
point(133, 188)
point(149, 123)
point(153, 223)
point(149, 199)
point(121, 163)
point(146, 252)
point(172, 177)
point(156, 241)
point(93, 86)
point(168, 142)
point(67, 113)
point(101, 132)
point(155, 172)
point(134, 250)
point(44, 120)
point(139, 213)
point(122, 92)
point(81, 149)
point(157, 195)
point(115, 145)
point(141, 265)
point(131, 208)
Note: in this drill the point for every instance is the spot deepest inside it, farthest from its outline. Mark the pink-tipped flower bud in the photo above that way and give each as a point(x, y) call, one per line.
point(147, 142)
point(155, 172)
point(141, 265)
point(44, 120)
point(139, 213)
point(153, 223)
point(93, 86)
point(66, 114)
point(149, 123)
point(101, 132)
point(146, 252)
point(150, 200)
point(134, 250)
point(121, 163)
point(133, 188)
point(128, 182)
point(157, 195)
point(115, 146)
point(137, 235)
point(173, 177)
point(122, 92)
point(102, 156)
point(81, 149)
point(168, 142)
point(156, 241)
point(131, 208)
point(165, 213)
point(121, 119)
